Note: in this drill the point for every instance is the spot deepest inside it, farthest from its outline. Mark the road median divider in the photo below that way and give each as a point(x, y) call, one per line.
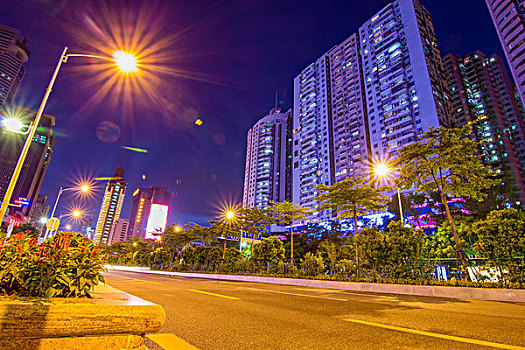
point(510, 295)
point(110, 319)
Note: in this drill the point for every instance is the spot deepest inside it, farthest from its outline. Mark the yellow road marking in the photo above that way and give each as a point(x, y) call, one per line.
point(215, 295)
point(133, 282)
point(295, 294)
point(437, 335)
point(171, 342)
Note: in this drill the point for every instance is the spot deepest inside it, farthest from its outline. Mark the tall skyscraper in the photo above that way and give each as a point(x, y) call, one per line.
point(37, 160)
point(119, 231)
point(111, 206)
point(267, 175)
point(365, 98)
point(480, 89)
point(14, 52)
point(39, 210)
point(144, 201)
point(508, 17)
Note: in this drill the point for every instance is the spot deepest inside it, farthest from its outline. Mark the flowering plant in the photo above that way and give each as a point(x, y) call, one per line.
point(66, 265)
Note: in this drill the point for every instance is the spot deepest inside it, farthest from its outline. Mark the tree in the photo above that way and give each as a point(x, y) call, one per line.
point(501, 196)
point(501, 239)
point(445, 161)
point(329, 249)
point(254, 221)
point(270, 250)
point(286, 213)
point(351, 198)
point(440, 244)
point(197, 232)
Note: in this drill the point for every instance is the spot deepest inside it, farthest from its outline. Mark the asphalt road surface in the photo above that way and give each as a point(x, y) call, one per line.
point(213, 315)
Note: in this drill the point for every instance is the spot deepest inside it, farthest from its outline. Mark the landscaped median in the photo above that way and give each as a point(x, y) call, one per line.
point(53, 296)
point(110, 319)
point(511, 295)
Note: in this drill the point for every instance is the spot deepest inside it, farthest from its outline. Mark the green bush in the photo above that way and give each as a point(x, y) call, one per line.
point(66, 265)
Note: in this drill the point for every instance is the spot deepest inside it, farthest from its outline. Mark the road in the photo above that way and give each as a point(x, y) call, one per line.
point(215, 315)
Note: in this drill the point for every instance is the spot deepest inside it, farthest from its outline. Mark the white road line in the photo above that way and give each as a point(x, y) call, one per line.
point(295, 294)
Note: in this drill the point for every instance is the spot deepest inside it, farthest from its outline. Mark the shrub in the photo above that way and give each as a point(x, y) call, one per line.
point(502, 241)
point(66, 265)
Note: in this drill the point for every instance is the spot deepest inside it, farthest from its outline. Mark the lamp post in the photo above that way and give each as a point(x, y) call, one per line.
point(126, 63)
point(230, 214)
point(382, 170)
point(83, 188)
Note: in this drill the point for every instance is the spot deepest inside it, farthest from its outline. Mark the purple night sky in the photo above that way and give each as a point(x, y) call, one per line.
point(223, 64)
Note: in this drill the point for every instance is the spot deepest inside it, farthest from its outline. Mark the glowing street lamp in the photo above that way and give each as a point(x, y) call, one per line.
point(68, 227)
point(125, 61)
point(230, 215)
point(76, 213)
point(13, 124)
point(83, 188)
point(125, 64)
point(382, 170)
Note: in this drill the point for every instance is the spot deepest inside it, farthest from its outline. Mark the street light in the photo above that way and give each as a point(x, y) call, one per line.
point(123, 62)
point(382, 170)
point(13, 124)
point(76, 213)
point(83, 188)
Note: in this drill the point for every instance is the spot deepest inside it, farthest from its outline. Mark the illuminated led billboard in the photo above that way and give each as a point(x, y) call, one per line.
point(158, 216)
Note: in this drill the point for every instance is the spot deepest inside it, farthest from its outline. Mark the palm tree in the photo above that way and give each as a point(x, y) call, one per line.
point(286, 213)
point(349, 199)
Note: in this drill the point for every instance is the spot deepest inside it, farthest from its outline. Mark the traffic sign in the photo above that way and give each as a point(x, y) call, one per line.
point(52, 224)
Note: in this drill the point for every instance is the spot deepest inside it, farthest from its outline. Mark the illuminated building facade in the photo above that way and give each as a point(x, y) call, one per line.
point(14, 52)
point(508, 17)
point(37, 159)
point(267, 175)
point(119, 231)
point(39, 210)
point(480, 89)
point(111, 206)
point(365, 98)
point(143, 198)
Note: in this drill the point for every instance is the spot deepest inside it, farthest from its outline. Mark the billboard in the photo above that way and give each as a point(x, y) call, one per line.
point(158, 216)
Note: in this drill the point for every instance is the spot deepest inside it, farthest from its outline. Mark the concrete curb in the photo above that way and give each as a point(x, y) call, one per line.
point(511, 295)
point(111, 319)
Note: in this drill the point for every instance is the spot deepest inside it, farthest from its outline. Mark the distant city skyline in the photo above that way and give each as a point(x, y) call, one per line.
point(207, 159)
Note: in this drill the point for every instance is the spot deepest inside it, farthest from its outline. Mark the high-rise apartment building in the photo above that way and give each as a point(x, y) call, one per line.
point(14, 52)
point(144, 200)
point(508, 17)
point(365, 98)
point(111, 206)
point(118, 231)
point(481, 90)
point(37, 159)
point(267, 175)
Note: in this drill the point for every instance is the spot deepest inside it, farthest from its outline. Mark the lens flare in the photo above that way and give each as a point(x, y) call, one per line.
point(125, 61)
point(13, 124)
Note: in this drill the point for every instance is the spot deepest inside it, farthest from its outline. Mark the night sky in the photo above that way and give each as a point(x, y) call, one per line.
point(222, 62)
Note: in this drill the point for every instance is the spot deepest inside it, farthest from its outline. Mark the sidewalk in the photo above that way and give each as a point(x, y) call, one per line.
point(510, 295)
